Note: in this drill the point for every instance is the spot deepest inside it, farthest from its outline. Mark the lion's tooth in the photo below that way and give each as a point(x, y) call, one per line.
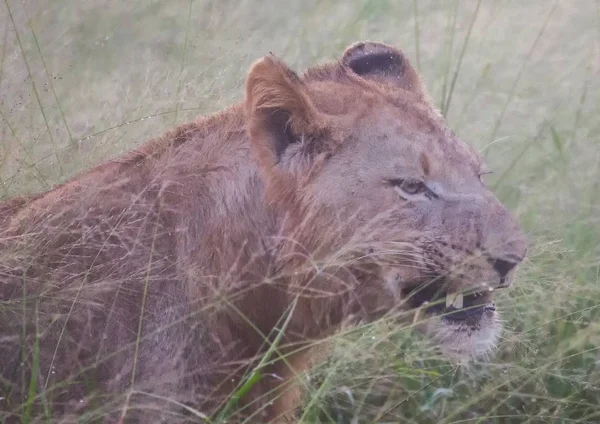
point(455, 300)
point(449, 299)
point(458, 301)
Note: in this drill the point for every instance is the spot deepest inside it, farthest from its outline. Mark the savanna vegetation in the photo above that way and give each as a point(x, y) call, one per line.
point(84, 81)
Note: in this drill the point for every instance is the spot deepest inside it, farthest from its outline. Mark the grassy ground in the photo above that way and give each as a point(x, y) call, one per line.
point(83, 81)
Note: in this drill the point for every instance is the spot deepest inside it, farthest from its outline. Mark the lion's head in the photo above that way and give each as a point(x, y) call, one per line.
point(355, 152)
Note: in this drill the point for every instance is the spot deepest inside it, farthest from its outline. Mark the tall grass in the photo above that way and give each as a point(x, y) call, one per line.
point(83, 81)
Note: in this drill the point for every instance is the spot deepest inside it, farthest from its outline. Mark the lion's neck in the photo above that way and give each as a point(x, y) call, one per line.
point(228, 238)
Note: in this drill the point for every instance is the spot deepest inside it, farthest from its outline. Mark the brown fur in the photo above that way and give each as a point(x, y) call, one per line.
point(159, 275)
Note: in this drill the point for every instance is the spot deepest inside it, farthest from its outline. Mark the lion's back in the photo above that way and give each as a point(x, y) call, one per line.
point(105, 260)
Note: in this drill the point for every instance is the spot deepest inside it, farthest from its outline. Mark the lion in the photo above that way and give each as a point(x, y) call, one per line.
point(151, 286)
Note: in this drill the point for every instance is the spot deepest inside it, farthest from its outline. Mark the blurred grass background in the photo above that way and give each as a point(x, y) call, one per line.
point(83, 81)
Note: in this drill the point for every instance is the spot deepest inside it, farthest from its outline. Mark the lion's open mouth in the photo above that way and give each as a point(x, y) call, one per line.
point(455, 307)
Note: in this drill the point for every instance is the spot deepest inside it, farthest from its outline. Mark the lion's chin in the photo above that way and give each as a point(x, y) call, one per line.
point(462, 341)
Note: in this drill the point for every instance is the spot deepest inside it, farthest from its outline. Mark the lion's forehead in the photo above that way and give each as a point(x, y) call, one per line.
point(408, 126)
point(421, 137)
point(452, 157)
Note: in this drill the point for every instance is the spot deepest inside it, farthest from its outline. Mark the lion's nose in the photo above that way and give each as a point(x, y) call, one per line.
point(503, 267)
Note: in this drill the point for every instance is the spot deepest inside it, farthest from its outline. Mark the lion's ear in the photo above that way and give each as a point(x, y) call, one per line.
point(383, 63)
point(278, 108)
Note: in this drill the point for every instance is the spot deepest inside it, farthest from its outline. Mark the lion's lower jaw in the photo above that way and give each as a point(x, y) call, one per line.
point(462, 342)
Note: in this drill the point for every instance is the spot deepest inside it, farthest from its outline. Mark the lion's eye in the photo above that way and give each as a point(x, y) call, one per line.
point(411, 187)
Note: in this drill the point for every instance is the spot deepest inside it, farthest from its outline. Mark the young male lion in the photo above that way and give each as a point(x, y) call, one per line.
point(150, 285)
